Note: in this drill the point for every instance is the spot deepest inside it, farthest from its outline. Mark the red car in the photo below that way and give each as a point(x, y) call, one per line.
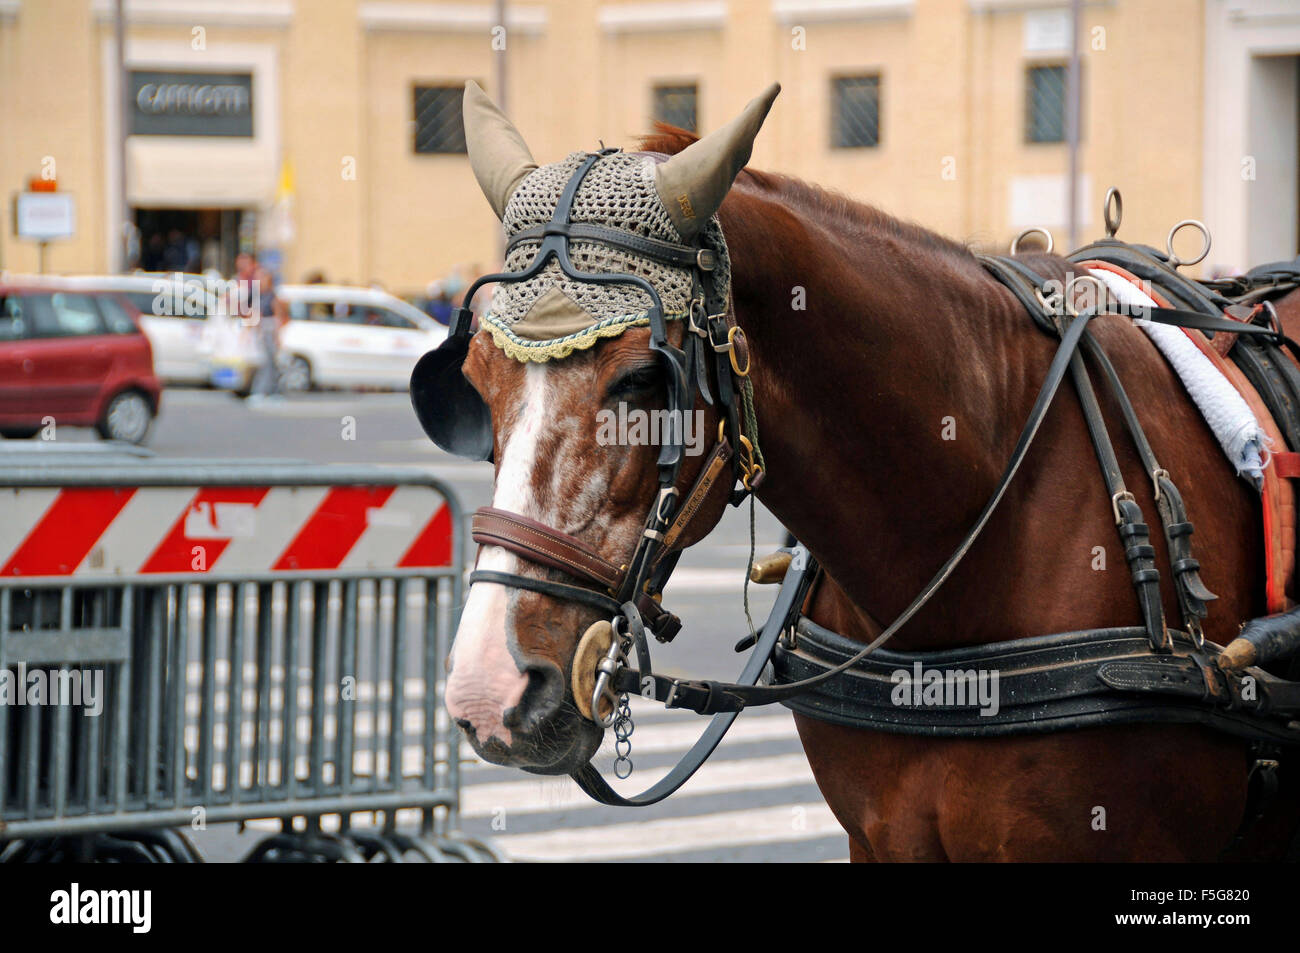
point(78, 358)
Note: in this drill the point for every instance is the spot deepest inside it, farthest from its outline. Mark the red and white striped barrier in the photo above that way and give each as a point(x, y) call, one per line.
point(150, 530)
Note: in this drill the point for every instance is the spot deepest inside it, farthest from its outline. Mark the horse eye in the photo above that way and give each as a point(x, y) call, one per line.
point(637, 382)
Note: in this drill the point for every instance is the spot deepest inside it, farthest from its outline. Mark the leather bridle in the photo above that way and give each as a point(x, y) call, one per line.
point(631, 590)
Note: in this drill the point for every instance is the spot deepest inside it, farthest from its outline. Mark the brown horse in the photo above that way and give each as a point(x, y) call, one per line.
point(888, 406)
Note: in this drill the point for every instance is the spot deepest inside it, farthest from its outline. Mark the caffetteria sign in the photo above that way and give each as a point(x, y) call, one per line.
point(170, 103)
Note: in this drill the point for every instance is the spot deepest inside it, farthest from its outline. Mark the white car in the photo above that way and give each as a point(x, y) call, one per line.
point(352, 337)
point(174, 311)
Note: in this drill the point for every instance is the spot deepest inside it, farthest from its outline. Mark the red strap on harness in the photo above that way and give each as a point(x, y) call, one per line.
point(1287, 465)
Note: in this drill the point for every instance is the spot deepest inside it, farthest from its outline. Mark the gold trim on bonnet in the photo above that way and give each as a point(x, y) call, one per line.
point(539, 352)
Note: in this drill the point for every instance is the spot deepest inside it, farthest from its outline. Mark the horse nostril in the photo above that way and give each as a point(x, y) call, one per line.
point(541, 699)
point(464, 724)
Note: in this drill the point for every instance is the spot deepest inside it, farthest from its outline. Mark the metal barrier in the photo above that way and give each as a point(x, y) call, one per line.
point(227, 643)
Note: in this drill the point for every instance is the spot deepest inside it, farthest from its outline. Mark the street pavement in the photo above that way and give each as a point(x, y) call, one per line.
point(754, 801)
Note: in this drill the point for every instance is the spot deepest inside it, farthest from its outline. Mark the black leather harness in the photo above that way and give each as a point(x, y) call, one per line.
point(1101, 676)
point(1044, 684)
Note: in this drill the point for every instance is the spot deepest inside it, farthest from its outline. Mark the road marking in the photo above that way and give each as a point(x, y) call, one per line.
point(767, 825)
point(706, 580)
point(537, 795)
point(648, 739)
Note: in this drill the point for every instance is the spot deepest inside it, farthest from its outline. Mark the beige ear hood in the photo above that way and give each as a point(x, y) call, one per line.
point(497, 153)
point(693, 183)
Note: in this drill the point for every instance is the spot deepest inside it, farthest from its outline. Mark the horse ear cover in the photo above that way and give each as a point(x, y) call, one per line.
point(693, 183)
point(497, 152)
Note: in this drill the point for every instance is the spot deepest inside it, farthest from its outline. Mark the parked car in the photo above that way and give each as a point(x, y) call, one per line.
point(77, 357)
point(352, 337)
point(175, 309)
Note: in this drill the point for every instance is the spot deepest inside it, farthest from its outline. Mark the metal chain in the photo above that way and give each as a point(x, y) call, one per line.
point(623, 728)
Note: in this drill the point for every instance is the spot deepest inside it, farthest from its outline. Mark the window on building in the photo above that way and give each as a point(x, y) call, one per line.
point(855, 112)
point(1045, 90)
point(676, 105)
point(439, 125)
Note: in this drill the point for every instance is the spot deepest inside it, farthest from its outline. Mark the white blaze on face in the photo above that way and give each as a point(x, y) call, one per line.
point(485, 682)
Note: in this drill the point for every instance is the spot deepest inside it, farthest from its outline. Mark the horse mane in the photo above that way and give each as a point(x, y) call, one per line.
point(815, 201)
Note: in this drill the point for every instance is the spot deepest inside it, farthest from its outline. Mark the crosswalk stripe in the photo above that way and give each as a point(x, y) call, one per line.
point(678, 737)
point(555, 794)
point(768, 825)
point(655, 738)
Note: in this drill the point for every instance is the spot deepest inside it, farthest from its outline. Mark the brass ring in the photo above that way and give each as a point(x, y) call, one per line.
point(731, 343)
point(1015, 242)
point(1112, 222)
point(1205, 247)
point(1068, 299)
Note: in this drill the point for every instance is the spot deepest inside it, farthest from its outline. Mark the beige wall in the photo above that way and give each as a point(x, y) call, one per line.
point(952, 74)
point(48, 110)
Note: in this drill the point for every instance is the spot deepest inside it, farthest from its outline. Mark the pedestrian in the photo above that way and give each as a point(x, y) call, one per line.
point(272, 316)
point(437, 304)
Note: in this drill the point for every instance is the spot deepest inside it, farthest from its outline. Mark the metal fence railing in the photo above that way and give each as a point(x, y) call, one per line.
point(190, 645)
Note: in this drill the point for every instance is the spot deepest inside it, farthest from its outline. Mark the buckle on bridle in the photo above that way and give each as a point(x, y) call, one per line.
point(731, 346)
point(700, 330)
point(1114, 504)
point(719, 333)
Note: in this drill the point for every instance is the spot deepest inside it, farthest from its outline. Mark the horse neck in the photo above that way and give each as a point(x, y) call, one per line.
point(888, 408)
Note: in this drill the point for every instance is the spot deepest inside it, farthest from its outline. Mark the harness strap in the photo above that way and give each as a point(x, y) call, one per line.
point(1045, 683)
point(1133, 531)
point(542, 544)
point(1029, 286)
point(546, 587)
point(550, 547)
point(686, 513)
point(784, 612)
point(1192, 592)
point(710, 697)
point(666, 253)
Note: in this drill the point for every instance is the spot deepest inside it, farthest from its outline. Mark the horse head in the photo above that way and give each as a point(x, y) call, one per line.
point(605, 368)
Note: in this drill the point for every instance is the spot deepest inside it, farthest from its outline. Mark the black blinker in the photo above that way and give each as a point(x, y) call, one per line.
point(447, 405)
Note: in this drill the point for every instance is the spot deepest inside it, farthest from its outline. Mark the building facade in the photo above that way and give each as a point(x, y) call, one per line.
point(326, 132)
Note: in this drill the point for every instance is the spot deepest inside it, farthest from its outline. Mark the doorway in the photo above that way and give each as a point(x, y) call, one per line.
point(188, 240)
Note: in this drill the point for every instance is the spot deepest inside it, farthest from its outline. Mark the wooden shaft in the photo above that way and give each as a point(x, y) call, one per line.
point(1237, 655)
